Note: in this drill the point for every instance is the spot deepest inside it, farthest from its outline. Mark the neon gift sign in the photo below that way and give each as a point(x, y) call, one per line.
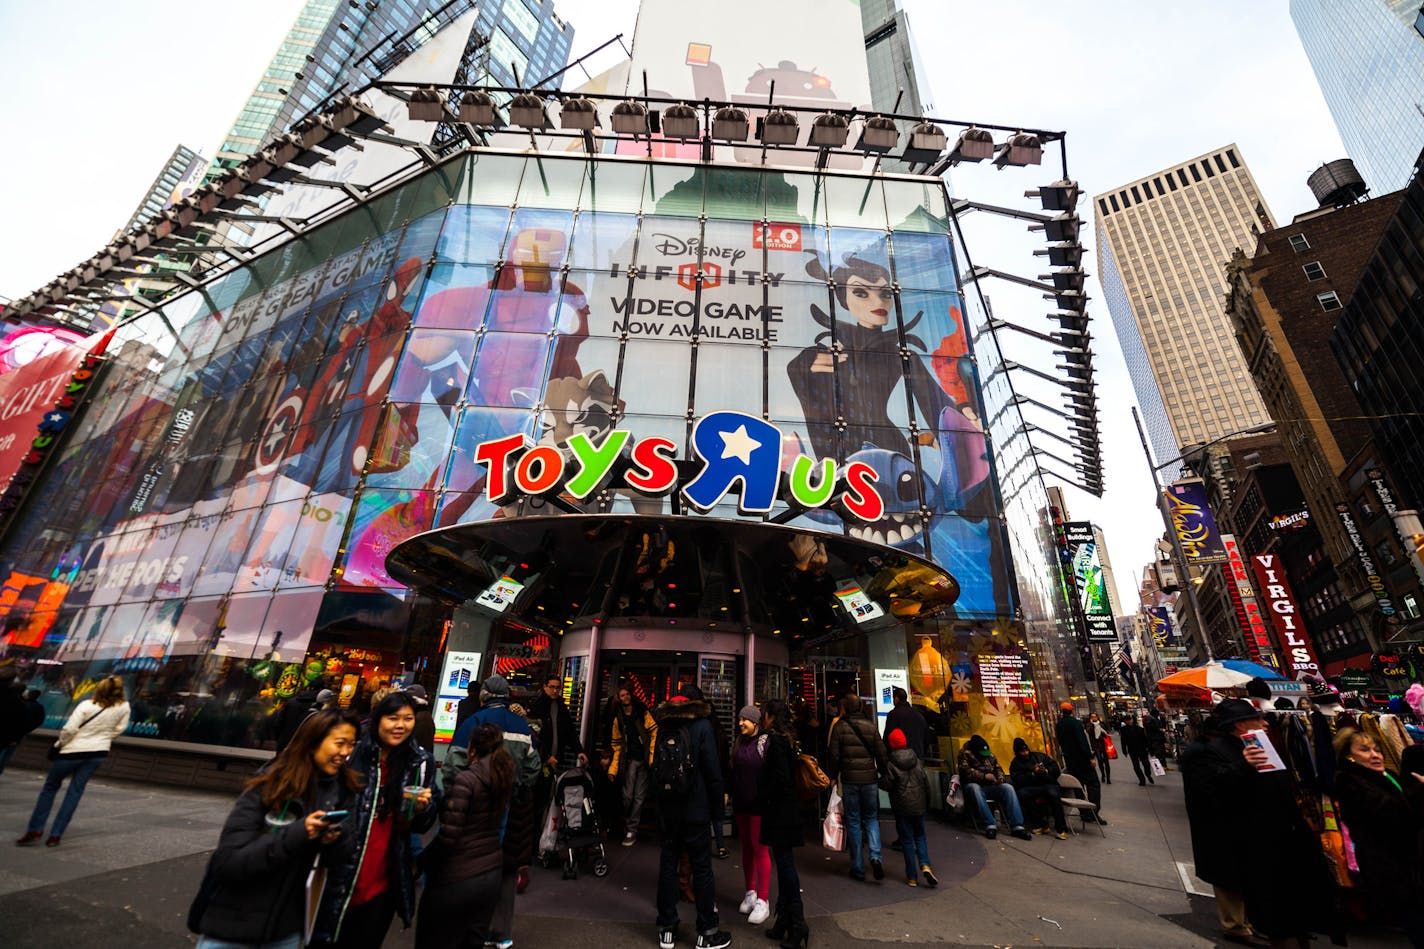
point(737, 453)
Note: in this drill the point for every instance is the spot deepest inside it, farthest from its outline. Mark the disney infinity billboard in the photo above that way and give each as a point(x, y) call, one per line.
point(330, 401)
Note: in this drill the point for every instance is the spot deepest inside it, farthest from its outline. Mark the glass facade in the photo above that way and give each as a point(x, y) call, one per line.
point(1370, 66)
point(216, 525)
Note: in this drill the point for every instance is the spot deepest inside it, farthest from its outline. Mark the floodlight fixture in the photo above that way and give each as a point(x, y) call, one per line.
point(681, 121)
point(1067, 279)
point(730, 124)
point(630, 118)
point(974, 145)
point(1061, 228)
point(478, 107)
point(526, 110)
point(1062, 255)
point(425, 106)
point(830, 130)
point(878, 134)
point(1059, 196)
point(1020, 149)
point(779, 127)
point(927, 141)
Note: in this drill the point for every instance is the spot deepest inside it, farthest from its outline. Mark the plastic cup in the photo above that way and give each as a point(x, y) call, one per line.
point(411, 791)
point(276, 822)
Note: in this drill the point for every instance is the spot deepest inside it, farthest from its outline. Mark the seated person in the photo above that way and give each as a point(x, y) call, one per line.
point(1035, 778)
point(982, 778)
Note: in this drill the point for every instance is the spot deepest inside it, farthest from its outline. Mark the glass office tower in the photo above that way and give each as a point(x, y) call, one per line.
point(1370, 65)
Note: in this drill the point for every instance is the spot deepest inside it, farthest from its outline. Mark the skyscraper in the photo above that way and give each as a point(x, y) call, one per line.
point(183, 168)
point(1163, 245)
point(334, 47)
point(890, 57)
point(1369, 62)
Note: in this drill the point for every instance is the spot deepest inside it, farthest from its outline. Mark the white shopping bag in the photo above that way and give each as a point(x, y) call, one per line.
point(1157, 769)
point(833, 827)
point(954, 800)
point(549, 836)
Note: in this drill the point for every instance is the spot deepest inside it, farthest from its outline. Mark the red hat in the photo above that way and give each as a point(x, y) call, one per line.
point(896, 739)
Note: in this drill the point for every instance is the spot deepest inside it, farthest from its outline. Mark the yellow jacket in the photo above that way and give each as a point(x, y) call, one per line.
point(650, 739)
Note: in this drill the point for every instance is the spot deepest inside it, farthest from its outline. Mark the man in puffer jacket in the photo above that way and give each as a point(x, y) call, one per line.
point(856, 755)
point(685, 732)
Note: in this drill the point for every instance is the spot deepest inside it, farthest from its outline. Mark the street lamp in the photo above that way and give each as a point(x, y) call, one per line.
point(1187, 581)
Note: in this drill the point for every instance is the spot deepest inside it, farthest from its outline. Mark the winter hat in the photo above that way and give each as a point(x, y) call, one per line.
point(324, 696)
point(896, 739)
point(751, 713)
point(496, 685)
point(689, 692)
point(1066, 707)
point(1230, 711)
point(1020, 745)
point(417, 692)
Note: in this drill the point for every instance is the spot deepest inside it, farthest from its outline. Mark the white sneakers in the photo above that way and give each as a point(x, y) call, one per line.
point(759, 913)
point(748, 902)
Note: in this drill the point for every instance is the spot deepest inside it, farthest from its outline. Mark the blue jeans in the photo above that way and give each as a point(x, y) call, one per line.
point(78, 771)
point(5, 754)
point(915, 847)
point(862, 802)
point(294, 941)
point(1004, 794)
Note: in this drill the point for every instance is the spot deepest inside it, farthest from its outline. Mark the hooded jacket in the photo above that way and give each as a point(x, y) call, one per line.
point(704, 801)
point(518, 741)
point(366, 758)
point(909, 785)
point(470, 823)
point(642, 720)
point(1024, 769)
point(855, 753)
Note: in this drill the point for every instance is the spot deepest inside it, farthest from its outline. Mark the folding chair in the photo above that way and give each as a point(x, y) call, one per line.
point(1072, 795)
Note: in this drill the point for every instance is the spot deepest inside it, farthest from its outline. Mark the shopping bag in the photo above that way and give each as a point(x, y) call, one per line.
point(954, 800)
point(1109, 747)
point(549, 836)
point(833, 836)
point(1157, 769)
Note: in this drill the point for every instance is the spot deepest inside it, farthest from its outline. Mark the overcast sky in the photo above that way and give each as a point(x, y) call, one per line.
point(99, 94)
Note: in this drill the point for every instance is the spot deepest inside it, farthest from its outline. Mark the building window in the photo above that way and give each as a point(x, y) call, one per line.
point(1231, 157)
point(1313, 271)
point(1196, 175)
point(1102, 206)
point(1136, 198)
point(1182, 177)
point(1206, 167)
point(1113, 199)
point(1158, 183)
point(1220, 165)
point(1329, 300)
point(1299, 243)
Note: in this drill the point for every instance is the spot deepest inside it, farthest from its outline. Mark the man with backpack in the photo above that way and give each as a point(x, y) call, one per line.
point(687, 782)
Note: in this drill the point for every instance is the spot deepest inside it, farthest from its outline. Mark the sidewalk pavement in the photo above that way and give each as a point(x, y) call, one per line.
point(133, 857)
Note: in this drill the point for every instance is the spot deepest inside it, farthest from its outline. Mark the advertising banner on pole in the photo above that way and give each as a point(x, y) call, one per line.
point(1248, 609)
point(1193, 521)
point(1300, 658)
point(1079, 549)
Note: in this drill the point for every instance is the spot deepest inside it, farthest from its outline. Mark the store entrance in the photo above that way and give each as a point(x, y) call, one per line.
point(655, 676)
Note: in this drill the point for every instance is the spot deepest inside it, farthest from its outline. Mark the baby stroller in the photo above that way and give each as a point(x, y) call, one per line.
point(571, 828)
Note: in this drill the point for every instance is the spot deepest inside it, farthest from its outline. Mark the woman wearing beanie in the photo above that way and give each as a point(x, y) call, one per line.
point(909, 797)
point(748, 757)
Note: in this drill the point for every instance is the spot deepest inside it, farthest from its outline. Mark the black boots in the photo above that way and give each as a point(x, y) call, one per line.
point(782, 925)
point(798, 934)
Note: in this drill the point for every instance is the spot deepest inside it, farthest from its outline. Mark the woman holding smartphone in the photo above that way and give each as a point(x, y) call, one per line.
point(290, 815)
point(377, 880)
point(465, 864)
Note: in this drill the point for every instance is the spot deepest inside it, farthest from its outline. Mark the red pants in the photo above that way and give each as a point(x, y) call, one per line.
point(756, 856)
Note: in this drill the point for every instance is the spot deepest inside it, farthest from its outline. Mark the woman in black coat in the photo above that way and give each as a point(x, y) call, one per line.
point(254, 892)
point(781, 822)
point(1384, 830)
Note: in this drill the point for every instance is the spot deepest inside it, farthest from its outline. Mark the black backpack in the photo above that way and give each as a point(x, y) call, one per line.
point(673, 764)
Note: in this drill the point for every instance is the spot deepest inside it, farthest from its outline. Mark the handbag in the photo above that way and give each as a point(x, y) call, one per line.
point(954, 800)
point(1157, 769)
point(54, 750)
point(833, 827)
point(1109, 747)
point(810, 779)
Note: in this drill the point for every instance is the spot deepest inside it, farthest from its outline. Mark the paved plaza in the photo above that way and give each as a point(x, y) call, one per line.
point(134, 854)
